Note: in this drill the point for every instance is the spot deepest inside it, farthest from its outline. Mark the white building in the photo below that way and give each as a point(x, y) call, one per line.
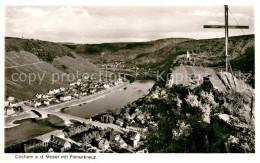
point(46, 102)
point(65, 98)
point(134, 129)
point(7, 103)
point(54, 91)
point(10, 99)
point(76, 95)
point(12, 104)
point(117, 137)
point(51, 92)
point(120, 122)
point(62, 89)
point(38, 96)
point(73, 84)
point(103, 144)
point(116, 83)
point(36, 104)
point(106, 86)
point(58, 142)
point(169, 82)
point(155, 96)
point(136, 139)
point(120, 80)
point(92, 90)
point(188, 55)
point(9, 111)
point(78, 82)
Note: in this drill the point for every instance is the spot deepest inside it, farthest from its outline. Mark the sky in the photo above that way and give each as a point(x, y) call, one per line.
point(90, 24)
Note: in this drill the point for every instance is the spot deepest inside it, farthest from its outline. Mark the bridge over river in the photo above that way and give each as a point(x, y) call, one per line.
point(67, 119)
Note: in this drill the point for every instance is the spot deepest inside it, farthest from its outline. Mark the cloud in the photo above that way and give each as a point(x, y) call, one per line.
point(35, 12)
point(214, 22)
point(84, 14)
point(97, 24)
point(202, 12)
point(74, 12)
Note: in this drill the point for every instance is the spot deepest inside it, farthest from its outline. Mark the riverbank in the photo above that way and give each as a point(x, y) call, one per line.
point(109, 99)
point(113, 101)
point(9, 121)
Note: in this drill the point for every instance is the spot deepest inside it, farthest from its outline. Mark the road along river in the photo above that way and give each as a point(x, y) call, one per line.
point(98, 103)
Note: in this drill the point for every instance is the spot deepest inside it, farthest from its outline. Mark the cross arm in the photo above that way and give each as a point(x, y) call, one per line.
point(230, 26)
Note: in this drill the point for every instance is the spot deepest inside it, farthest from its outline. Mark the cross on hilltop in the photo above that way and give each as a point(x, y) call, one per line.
point(226, 26)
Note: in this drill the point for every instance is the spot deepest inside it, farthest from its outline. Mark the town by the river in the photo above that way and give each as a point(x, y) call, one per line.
point(112, 100)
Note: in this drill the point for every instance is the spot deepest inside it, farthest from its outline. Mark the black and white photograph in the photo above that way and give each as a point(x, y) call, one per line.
point(129, 79)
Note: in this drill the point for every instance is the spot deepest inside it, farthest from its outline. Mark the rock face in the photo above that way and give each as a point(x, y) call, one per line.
point(223, 82)
point(194, 76)
point(189, 75)
point(232, 83)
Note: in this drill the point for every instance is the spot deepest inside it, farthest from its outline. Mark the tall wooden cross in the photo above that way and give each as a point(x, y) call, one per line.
point(226, 26)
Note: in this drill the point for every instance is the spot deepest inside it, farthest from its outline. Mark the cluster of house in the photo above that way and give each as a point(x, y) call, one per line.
point(95, 139)
point(113, 65)
point(81, 87)
point(105, 140)
point(134, 120)
point(51, 142)
point(120, 65)
point(159, 93)
point(89, 139)
point(11, 106)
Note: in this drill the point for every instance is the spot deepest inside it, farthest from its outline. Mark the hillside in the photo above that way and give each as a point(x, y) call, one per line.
point(203, 109)
point(45, 50)
point(143, 57)
point(40, 60)
point(200, 119)
point(112, 53)
point(159, 54)
point(123, 48)
point(27, 63)
point(207, 52)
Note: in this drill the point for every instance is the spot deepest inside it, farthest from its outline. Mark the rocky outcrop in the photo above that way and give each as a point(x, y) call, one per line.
point(218, 100)
point(193, 76)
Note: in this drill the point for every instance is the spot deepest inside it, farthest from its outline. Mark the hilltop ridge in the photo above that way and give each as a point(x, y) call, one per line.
point(148, 58)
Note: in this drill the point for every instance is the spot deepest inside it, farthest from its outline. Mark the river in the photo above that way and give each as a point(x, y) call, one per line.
point(31, 128)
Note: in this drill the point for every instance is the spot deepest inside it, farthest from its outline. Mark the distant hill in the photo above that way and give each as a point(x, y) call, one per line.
point(160, 54)
point(212, 49)
point(122, 47)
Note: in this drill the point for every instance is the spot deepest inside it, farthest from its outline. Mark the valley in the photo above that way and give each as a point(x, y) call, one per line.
point(207, 110)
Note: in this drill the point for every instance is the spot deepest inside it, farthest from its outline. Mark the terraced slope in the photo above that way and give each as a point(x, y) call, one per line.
point(35, 66)
point(74, 65)
point(19, 66)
